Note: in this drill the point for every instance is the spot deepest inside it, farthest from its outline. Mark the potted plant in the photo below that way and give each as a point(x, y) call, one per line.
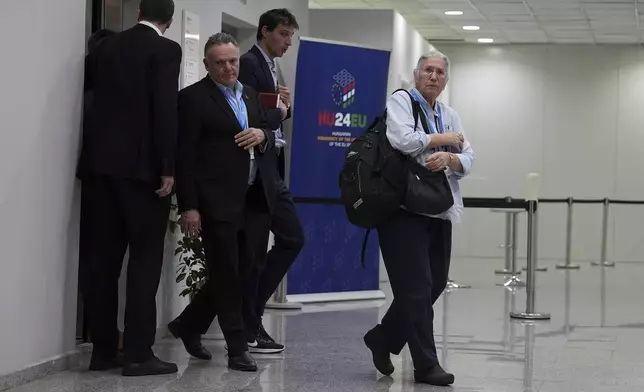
point(192, 269)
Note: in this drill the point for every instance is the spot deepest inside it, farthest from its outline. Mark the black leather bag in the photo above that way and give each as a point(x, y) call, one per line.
point(427, 192)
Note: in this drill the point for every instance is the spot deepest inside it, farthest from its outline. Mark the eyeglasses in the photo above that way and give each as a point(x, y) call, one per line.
point(440, 72)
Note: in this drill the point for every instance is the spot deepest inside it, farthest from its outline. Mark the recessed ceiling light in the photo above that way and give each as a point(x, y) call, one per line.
point(471, 28)
point(454, 13)
point(486, 40)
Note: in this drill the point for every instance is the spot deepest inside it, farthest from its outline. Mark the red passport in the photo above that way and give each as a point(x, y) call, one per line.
point(269, 100)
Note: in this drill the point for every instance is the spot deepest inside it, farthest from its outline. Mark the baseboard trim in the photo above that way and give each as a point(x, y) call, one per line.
point(336, 297)
point(45, 368)
point(57, 364)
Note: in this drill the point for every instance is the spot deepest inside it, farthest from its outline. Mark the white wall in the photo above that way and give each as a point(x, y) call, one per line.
point(40, 116)
point(573, 114)
point(408, 46)
point(371, 28)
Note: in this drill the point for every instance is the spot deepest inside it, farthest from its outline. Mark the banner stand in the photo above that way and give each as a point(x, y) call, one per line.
point(340, 88)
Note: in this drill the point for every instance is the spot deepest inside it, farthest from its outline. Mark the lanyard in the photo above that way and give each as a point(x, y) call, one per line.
point(435, 122)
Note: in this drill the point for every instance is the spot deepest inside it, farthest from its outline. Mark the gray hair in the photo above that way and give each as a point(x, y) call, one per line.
point(431, 55)
point(219, 39)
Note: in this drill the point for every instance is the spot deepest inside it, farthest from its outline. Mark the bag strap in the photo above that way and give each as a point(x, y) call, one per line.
point(364, 248)
point(417, 111)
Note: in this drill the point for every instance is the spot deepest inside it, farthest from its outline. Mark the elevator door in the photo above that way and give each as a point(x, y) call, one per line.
point(115, 15)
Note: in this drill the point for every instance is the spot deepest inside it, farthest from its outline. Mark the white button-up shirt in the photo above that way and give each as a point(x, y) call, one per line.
point(152, 26)
point(272, 65)
point(404, 138)
point(234, 97)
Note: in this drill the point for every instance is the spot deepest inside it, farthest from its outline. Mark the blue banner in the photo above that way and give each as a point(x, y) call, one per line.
point(339, 90)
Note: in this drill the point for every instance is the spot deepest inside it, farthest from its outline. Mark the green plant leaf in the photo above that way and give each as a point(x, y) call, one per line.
point(181, 277)
point(185, 292)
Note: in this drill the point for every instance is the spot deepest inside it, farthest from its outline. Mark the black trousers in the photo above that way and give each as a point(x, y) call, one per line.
point(289, 240)
point(117, 213)
point(232, 252)
point(416, 251)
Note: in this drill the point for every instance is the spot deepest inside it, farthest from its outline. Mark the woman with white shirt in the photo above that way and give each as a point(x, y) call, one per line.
point(416, 248)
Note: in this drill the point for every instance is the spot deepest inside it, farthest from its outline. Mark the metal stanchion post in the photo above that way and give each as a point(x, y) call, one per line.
point(507, 246)
point(602, 307)
point(603, 262)
point(536, 246)
point(514, 281)
point(530, 313)
point(568, 264)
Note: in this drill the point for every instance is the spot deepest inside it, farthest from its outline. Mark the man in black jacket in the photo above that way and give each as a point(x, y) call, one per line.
point(259, 70)
point(225, 193)
point(127, 173)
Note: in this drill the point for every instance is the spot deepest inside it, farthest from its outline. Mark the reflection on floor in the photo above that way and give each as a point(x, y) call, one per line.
point(594, 343)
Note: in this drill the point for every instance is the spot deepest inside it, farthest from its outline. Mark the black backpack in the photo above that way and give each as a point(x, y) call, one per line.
point(373, 180)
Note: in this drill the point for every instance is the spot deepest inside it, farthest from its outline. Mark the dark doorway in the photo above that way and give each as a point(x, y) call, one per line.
point(114, 15)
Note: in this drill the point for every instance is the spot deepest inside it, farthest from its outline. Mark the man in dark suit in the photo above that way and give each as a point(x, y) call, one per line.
point(225, 193)
point(259, 70)
point(127, 173)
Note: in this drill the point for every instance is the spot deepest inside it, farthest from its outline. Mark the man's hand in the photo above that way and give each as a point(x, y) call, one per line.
point(250, 138)
point(191, 223)
point(455, 139)
point(282, 106)
point(438, 161)
point(166, 186)
point(285, 94)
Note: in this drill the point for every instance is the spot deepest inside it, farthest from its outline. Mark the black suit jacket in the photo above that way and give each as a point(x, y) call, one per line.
point(254, 72)
point(212, 171)
point(131, 127)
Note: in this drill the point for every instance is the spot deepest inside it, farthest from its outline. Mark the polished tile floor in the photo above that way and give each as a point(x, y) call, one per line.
point(593, 343)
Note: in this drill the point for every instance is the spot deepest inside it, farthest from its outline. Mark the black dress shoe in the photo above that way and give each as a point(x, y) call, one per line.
point(191, 343)
point(381, 356)
point(244, 362)
point(98, 363)
point(151, 367)
point(434, 376)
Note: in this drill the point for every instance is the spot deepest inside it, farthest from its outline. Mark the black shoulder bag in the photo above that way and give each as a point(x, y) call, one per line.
point(427, 192)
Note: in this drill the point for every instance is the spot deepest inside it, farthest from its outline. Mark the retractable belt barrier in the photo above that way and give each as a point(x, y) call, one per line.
point(510, 206)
